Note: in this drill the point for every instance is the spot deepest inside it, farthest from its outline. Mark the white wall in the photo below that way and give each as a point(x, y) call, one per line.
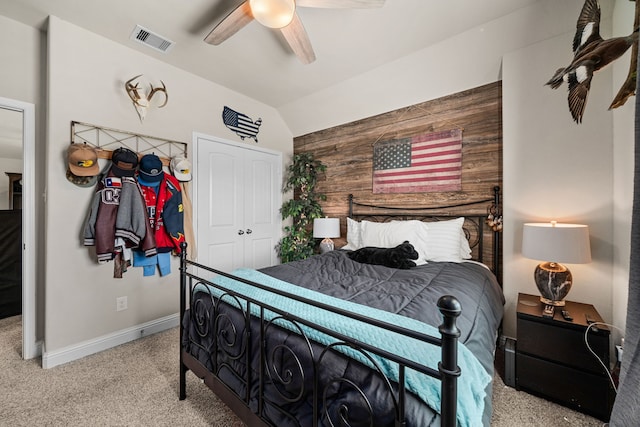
point(20, 55)
point(623, 166)
point(555, 169)
point(86, 75)
point(22, 78)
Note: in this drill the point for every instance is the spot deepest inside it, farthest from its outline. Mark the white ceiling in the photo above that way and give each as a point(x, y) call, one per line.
point(256, 61)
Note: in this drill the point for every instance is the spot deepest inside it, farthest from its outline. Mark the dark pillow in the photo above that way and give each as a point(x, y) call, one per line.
point(398, 257)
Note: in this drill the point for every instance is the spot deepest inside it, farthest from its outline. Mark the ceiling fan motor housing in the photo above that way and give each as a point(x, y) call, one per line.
point(273, 13)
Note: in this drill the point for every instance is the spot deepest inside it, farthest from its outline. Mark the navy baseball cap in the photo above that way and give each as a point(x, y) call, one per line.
point(150, 169)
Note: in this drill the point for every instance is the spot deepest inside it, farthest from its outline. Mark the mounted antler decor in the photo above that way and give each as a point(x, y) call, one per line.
point(143, 102)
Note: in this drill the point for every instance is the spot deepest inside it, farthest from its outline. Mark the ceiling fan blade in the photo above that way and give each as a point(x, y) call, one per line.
point(230, 25)
point(297, 37)
point(341, 4)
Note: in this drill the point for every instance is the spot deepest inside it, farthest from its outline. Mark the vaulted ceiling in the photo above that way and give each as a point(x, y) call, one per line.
point(256, 61)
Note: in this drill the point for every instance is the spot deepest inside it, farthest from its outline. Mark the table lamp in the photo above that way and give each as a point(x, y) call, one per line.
point(326, 228)
point(553, 243)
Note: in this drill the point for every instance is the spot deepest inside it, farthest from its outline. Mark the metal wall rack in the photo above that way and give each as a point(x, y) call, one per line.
point(105, 140)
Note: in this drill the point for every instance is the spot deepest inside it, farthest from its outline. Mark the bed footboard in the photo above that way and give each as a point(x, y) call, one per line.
point(291, 377)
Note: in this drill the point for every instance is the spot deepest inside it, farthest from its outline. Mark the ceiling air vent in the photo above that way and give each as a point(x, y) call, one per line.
point(151, 39)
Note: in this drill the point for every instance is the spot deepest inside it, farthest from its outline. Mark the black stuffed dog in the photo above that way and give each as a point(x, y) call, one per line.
point(398, 257)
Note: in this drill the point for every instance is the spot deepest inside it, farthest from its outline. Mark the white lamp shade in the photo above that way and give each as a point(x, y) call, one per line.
point(273, 13)
point(562, 243)
point(326, 227)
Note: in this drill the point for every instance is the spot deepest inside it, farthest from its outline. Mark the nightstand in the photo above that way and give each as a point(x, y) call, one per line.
point(553, 361)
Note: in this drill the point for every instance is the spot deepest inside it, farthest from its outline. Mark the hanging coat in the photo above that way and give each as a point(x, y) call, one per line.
point(165, 213)
point(118, 210)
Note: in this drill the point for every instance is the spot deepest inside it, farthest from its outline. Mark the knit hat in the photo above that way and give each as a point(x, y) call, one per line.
point(181, 169)
point(151, 169)
point(83, 160)
point(124, 162)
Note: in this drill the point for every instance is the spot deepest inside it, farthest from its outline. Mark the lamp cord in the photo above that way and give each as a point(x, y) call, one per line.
point(586, 341)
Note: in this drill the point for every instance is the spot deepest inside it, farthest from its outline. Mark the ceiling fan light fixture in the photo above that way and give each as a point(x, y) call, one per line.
point(273, 13)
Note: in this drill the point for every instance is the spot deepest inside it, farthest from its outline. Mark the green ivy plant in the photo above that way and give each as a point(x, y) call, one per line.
point(303, 208)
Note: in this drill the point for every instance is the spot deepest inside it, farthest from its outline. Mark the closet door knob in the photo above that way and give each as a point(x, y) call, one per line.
point(240, 232)
point(249, 231)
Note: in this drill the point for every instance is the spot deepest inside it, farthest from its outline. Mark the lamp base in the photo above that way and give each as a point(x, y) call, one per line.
point(554, 282)
point(326, 245)
point(546, 301)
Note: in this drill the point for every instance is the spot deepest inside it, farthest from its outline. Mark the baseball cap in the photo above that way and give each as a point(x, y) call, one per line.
point(181, 168)
point(83, 160)
point(150, 168)
point(82, 181)
point(123, 162)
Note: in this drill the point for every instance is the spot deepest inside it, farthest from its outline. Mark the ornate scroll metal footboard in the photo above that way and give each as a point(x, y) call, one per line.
point(269, 372)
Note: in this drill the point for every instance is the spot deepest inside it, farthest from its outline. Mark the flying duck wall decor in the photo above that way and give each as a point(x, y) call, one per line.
point(281, 14)
point(591, 53)
point(628, 88)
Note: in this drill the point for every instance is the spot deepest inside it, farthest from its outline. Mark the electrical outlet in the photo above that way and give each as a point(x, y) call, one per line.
point(121, 303)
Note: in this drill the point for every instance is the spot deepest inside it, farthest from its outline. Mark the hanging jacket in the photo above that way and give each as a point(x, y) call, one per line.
point(118, 210)
point(189, 235)
point(165, 213)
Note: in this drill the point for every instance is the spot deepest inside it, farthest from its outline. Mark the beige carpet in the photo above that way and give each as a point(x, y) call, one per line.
point(136, 384)
point(513, 408)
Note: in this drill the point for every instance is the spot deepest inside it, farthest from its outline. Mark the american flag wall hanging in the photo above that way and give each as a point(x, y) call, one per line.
point(424, 163)
point(241, 124)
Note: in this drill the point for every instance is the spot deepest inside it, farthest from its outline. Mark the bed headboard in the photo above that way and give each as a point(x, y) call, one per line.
point(483, 239)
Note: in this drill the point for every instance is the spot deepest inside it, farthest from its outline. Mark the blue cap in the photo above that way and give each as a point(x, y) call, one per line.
point(150, 168)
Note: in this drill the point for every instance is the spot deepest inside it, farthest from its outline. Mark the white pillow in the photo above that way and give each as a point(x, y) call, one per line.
point(465, 249)
point(436, 246)
point(354, 241)
point(444, 240)
point(391, 234)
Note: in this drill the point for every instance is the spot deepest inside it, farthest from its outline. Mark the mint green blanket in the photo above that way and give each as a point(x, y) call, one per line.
point(471, 383)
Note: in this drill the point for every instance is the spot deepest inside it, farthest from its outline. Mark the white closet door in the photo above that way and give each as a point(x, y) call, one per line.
point(238, 199)
point(261, 208)
point(219, 212)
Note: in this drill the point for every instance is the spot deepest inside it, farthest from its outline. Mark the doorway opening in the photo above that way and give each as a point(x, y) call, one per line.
point(22, 194)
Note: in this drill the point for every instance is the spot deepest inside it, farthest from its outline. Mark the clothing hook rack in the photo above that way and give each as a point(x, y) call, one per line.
point(105, 140)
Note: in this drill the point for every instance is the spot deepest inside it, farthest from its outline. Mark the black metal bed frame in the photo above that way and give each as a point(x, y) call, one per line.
point(267, 373)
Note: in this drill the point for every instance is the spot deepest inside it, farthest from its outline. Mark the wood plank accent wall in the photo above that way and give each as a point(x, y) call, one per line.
point(347, 151)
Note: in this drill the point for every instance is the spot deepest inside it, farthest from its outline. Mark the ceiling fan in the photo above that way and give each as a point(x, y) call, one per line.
point(281, 14)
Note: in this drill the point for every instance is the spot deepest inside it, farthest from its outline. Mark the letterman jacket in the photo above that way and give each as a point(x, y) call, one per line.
point(165, 213)
point(118, 210)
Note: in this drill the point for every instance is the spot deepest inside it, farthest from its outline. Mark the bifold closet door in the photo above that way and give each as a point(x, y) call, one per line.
point(238, 201)
point(261, 188)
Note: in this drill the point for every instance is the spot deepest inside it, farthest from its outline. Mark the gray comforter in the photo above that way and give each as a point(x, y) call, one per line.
point(412, 293)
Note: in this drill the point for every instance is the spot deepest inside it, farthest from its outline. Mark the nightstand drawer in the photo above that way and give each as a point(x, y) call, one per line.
point(565, 346)
point(553, 361)
point(574, 388)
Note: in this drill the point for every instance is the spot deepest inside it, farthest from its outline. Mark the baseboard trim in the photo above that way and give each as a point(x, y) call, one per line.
point(105, 342)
